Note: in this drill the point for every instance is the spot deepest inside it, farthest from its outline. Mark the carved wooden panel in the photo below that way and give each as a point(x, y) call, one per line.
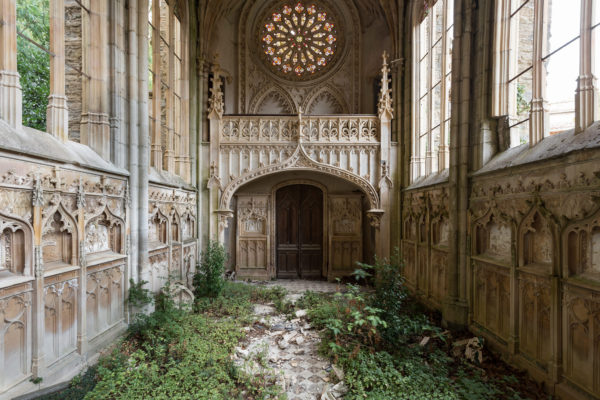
point(491, 303)
point(437, 277)
point(253, 235)
point(60, 319)
point(581, 351)
point(535, 317)
point(104, 300)
point(15, 337)
point(345, 213)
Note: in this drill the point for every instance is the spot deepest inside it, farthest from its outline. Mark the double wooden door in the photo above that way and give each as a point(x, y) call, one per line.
point(299, 214)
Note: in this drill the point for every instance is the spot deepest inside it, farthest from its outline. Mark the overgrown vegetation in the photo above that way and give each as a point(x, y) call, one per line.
point(391, 349)
point(209, 280)
point(33, 63)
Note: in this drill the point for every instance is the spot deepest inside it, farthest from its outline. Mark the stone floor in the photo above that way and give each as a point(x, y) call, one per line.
point(288, 348)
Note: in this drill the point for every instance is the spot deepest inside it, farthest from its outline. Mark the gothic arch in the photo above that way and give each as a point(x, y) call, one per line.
point(14, 224)
point(299, 161)
point(327, 94)
point(277, 94)
point(537, 237)
point(113, 223)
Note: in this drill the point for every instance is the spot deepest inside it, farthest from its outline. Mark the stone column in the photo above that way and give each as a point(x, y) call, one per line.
point(216, 107)
point(95, 124)
point(37, 202)
point(156, 149)
point(539, 111)
point(57, 114)
point(170, 103)
point(10, 88)
point(586, 95)
point(82, 289)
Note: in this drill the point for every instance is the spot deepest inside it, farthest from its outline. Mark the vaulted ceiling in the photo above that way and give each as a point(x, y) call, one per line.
point(210, 12)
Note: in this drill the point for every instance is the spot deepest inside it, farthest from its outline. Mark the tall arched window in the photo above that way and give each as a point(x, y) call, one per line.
point(432, 55)
point(167, 80)
point(546, 66)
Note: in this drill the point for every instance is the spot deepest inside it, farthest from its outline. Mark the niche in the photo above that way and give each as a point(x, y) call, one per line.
point(583, 249)
point(157, 229)
point(537, 241)
point(188, 226)
point(104, 233)
point(410, 229)
point(493, 239)
point(12, 251)
point(441, 232)
point(57, 241)
point(175, 233)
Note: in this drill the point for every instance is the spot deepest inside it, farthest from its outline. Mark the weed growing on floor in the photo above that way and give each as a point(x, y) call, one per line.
point(176, 354)
point(209, 280)
point(375, 336)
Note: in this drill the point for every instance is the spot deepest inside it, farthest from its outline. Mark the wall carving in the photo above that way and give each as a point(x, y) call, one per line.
point(104, 301)
point(60, 319)
point(253, 235)
point(254, 76)
point(345, 213)
point(15, 334)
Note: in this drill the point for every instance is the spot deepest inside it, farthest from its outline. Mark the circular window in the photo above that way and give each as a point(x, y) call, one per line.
point(299, 41)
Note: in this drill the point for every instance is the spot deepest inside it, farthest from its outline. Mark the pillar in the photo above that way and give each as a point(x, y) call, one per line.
point(57, 114)
point(95, 124)
point(10, 88)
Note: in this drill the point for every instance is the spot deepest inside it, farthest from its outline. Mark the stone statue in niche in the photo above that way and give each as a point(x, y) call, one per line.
point(97, 238)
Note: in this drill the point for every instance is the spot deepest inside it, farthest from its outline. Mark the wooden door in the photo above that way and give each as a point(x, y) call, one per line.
point(299, 211)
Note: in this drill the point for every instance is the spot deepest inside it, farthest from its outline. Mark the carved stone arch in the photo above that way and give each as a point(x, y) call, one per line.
point(104, 231)
point(537, 238)
point(298, 161)
point(328, 95)
point(16, 248)
point(158, 226)
point(59, 234)
point(489, 235)
point(581, 247)
point(188, 224)
point(275, 94)
point(175, 225)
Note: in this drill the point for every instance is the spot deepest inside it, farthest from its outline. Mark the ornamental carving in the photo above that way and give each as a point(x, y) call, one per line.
point(299, 41)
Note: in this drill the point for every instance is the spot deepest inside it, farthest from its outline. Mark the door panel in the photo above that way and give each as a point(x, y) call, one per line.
point(299, 213)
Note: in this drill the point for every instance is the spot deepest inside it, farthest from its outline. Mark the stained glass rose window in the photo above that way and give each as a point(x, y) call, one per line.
point(299, 40)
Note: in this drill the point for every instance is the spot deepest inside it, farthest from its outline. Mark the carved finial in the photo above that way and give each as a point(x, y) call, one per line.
point(37, 197)
point(385, 95)
point(80, 194)
point(216, 105)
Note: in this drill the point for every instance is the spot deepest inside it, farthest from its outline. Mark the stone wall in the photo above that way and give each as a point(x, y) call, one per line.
point(73, 57)
point(505, 242)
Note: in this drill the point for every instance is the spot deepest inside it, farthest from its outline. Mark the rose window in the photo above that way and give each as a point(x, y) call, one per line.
point(299, 40)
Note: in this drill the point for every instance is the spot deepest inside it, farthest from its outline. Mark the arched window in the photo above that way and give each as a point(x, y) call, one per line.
point(432, 55)
point(167, 88)
point(546, 66)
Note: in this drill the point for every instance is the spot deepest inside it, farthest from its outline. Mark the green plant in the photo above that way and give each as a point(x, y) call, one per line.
point(209, 280)
point(138, 295)
point(33, 63)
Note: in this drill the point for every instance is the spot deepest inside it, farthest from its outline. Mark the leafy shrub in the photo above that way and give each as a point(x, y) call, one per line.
point(138, 296)
point(209, 280)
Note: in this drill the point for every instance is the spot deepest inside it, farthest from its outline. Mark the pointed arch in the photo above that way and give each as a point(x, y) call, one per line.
point(276, 94)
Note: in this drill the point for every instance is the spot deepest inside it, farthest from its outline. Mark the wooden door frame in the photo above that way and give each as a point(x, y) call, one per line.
point(323, 188)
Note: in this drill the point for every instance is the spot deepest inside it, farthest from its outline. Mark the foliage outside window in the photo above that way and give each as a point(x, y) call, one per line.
point(542, 66)
point(432, 72)
point(33, 63)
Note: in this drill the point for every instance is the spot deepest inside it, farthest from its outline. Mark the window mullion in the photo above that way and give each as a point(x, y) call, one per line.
point(429, 148)
point(442, 149)
point(539, 112)
point(585, 112)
